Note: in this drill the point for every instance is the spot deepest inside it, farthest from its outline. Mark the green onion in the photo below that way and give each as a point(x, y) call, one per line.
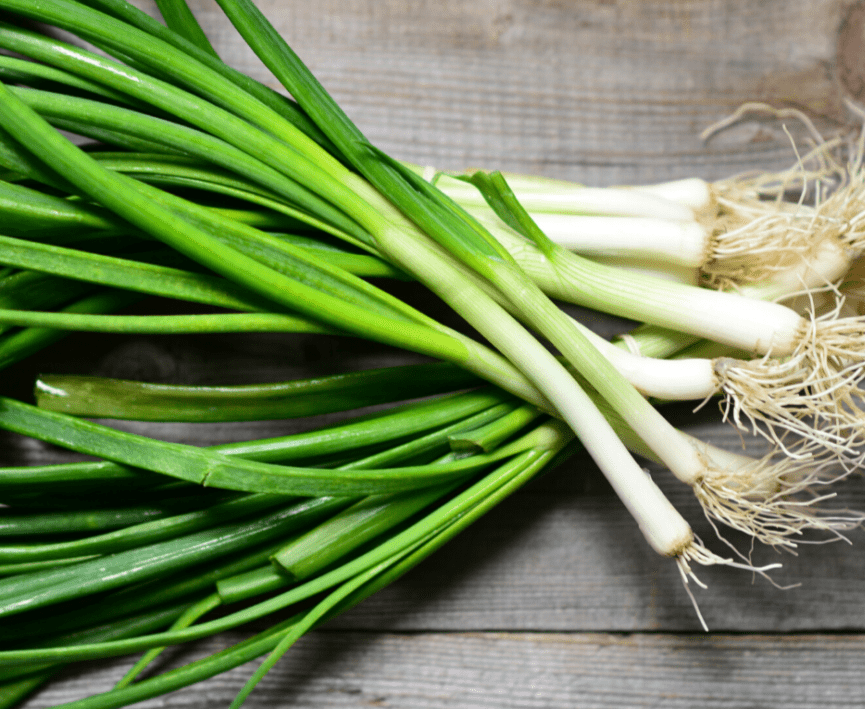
point(197, 175)
point(102, 398)
point(451, 227)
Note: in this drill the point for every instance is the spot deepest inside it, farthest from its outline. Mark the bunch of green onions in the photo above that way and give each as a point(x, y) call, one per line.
point(315, 522)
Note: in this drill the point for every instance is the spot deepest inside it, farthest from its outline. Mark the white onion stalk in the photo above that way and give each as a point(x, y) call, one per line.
point(691, 192)
point(625, 223)
point(663, 527)
point(731, 230)
point(544, 195)
point(744, 323)
point(652, 240)
point(785, 495)
point(774, 398)
point(718, 494)
point(814, 286)
point(727, 249)
point(740, 241)
point(668, 272)
point(805, 383)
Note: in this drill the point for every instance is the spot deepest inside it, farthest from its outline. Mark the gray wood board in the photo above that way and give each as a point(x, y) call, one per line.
point(567, 605)
point(511, 670)
point(594, 91)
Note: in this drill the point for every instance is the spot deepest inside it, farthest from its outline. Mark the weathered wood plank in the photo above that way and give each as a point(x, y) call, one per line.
point(601, 92)
point(509, 670)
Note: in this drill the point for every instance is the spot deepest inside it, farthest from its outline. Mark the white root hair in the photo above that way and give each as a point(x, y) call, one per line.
point(697, 553)
point(756, 233)
point(757, 249)
point(776, 500)
point(813, 397)
point(754, 239)
point(754, 107)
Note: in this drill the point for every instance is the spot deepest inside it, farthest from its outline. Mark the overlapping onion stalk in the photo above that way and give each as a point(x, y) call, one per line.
point(205, 187)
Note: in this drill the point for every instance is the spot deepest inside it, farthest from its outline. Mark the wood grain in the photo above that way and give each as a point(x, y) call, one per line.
point(601, 91)
point(565, 605)
point(327, 670)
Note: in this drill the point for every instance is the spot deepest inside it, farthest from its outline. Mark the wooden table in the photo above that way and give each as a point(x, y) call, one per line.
point(553, 599)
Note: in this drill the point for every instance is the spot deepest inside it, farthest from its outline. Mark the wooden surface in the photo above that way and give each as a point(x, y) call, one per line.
point(552, 600)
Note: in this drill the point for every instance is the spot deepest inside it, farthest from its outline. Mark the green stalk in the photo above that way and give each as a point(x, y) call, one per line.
point(143, 533)
point(402, 542)
point(193, 672)
point(21, 71)
point(20, 344)
point(165, 324)
point(27, 567)
point(371, 513)
point(405, 423)
point(131, 200)
point(310, 619)
point(180, 19)
point(519, 476)
point(23, 288)
point(88, 476)
point(308, 273)
point(129, 275)
point(234, 116)
point(464, 512)
point(377, 577)
point(285, 107)
point(211, 469)
point(491, 435)
point(111, 398)
point(141, 206)
point(26, 211)
point(97, 520)
point(266, 579)
point(92, 118)
point(192, 614)
point(173, 171)
point(310, 165)
point(30, 591)
point(20, 164)
point(30, 289)
point(436, 440)
point(348, 530)
point(12, 691)
point(56, 622)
